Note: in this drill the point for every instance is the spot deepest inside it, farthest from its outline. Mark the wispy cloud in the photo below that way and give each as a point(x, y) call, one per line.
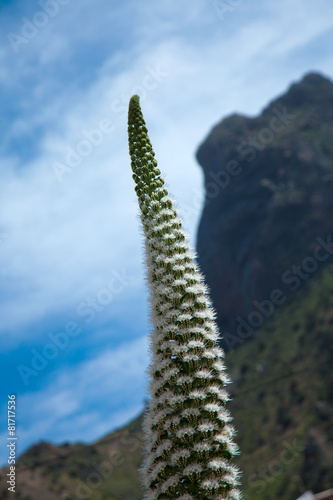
point(110, 388)
point(66, 236)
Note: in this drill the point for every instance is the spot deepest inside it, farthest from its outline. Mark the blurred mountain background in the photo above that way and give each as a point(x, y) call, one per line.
point(265, 245)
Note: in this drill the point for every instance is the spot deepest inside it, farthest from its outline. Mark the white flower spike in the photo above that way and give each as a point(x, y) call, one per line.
point(189, 440)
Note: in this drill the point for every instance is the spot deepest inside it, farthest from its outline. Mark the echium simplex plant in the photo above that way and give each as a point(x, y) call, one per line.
point(189, 440)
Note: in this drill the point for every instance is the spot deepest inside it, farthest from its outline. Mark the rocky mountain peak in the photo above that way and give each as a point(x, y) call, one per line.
point(269, 187)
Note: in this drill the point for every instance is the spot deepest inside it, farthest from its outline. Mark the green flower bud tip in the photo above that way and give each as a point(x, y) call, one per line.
point(135, 99)
point(134, 104)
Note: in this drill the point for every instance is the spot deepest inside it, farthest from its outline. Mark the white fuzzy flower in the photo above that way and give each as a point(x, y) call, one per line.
point(156, 470)
point(210, 484)
point(224, 416)
point(224, 378)
point(176, 399)
point(179, 455)
point(206, 426)
point(197, 289)
point(204, 374)
point(163, 290)
point(171, 422)
point(185, 431)
point(174, 347)
point(184, 379)
point(197, 395)
point(212, 336)
point(214, 389)
point(219, 365)
point(164, 363)
point(212, 407)
point(178, 267)
point(219, 464)
point(179, 282)
point(209, 354)
point(184, 317)
point(187, 305)
point(169, 483)
point(190, 412)
point(158, 418)
point(196, 343)
point(191, 357)
point(206, 314)
point(194, 468)
point(202, 300)
point(202, 447)
point(169, 236)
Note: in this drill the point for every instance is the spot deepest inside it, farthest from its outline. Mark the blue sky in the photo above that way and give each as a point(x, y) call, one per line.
point(74, 314)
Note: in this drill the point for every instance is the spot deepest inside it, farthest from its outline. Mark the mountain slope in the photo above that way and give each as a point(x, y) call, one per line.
point(283, 396)
point(282, 407)
point(105, 470)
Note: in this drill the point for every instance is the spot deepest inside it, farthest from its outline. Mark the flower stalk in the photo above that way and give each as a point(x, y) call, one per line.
point(189, 440)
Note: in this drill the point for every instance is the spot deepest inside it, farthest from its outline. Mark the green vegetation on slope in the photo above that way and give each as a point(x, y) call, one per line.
point(282, 406)
point(283, 397)
point(105, 470)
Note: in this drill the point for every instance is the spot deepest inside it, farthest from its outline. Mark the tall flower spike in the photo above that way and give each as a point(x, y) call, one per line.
point(189, 440)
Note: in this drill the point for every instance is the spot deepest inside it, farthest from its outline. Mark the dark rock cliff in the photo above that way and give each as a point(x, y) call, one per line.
point(269, 197)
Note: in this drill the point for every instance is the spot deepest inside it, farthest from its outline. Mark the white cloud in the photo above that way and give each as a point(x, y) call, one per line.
point(65, 239)
point(64, 236)
point(84, 402)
